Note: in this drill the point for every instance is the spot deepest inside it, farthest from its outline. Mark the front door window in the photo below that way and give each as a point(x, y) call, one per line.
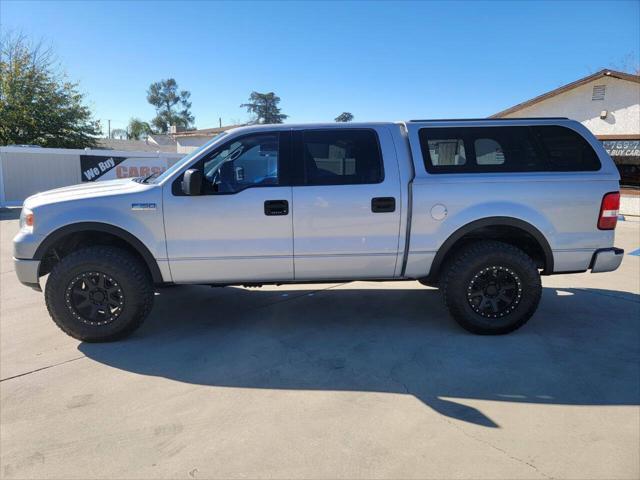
point(250, 161)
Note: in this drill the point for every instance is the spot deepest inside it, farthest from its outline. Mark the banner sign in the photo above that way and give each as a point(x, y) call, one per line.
point(101, 167)
point(622, 148)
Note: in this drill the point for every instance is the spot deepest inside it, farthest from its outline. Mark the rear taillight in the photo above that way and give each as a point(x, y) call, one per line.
point(609, 211)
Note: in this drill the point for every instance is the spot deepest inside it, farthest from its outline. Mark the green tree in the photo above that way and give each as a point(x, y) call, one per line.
point(172, 106)
point(344, 117)
point(264, 107)
point(138, 129)
point(38, 105)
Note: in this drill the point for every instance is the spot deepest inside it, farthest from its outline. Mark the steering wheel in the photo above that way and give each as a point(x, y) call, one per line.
point(220, 185)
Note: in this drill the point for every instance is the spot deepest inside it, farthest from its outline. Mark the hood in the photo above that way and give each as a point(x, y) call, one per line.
point(85, 190)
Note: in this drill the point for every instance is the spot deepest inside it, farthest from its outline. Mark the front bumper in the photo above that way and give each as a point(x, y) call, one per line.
point(606, 260)
point(27, 272)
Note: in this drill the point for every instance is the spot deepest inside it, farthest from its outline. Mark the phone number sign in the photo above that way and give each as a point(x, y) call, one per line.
point(622, 148)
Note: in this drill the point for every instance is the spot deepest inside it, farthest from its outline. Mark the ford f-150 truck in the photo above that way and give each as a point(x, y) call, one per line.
point(479, 208)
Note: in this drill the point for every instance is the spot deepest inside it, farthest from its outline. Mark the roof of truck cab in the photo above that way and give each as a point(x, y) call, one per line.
point(294, 126)
point(435, 121)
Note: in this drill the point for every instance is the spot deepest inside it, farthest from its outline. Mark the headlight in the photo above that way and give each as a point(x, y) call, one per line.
point(26, 220)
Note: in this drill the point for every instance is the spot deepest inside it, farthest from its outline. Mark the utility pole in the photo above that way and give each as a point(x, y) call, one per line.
point(220, 121)
point(109, 128)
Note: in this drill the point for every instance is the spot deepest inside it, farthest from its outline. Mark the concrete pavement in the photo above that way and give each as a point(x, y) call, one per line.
point(359, 380)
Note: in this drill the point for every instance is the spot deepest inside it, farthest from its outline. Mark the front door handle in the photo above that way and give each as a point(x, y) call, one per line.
point(383, 204)
point(276, 207)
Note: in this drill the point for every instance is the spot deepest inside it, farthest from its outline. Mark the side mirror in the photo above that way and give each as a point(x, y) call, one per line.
point(192, 182)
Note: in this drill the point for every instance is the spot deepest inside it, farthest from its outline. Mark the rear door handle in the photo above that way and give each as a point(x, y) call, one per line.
point(383, 204)
point(276, 207)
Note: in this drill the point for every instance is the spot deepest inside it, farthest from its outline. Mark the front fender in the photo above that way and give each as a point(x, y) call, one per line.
point(134, 242)
point(116, 210)
point(119, 215)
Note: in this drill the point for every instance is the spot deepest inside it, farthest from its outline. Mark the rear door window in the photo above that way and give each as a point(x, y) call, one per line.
point(341, 157)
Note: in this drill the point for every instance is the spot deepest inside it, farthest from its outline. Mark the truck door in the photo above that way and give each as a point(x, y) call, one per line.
point(239, 228)
point(346, 208)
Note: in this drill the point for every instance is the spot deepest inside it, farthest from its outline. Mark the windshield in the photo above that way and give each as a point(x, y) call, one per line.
point(185, 160)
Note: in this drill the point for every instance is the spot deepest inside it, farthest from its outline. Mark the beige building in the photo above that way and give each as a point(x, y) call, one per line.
point(607, 103)
point(185, 141)
point(146, 145)
point(188, 140)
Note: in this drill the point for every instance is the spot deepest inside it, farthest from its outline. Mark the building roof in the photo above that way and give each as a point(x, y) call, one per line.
point(161, 139)
point(606, 72)
point(204, 132)
point(134, 145)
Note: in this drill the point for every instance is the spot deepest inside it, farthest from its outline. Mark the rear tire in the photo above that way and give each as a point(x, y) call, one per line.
point(99, 294)
point(491, 288)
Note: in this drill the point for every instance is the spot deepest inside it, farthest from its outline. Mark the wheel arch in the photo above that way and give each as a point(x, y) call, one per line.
point(133, 243)
point(482, 225)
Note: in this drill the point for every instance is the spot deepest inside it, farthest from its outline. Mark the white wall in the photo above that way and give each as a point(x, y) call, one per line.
point(25, 170)
point(24, 174)
point(622, 101)
point(190, 143)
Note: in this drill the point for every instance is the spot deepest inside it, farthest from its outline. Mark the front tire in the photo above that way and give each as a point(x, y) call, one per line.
point(99, 294)
point(491, 288)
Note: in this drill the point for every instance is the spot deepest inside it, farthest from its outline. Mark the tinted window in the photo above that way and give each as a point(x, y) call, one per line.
point(447, 151)
point(243, 163)
point(566, 149)
point(506, 149)
point(341, 157)
point(488, 151)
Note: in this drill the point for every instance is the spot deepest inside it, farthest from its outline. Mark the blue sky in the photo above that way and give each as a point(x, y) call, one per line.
point(378, 60)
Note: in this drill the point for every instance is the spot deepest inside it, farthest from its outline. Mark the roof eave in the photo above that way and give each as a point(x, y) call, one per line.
point(605, 72)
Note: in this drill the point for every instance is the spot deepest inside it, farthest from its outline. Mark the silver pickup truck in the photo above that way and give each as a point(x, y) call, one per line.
point(478, 208)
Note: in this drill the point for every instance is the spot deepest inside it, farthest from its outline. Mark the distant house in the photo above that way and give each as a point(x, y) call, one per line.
point(162, 140)
point(135, 145)
point(607, 103)
point(178, 140)
point(175, 141)
point(189, 140)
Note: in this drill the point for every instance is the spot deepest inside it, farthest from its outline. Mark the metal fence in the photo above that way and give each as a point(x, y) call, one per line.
point(28, 170)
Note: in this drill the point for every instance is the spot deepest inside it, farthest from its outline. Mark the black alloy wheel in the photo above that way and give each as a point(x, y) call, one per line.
point(95, 298)
point(491, 287)
point(494, 291)
point(100, 293)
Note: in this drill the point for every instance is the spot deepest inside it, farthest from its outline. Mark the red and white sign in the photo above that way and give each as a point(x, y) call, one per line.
point(100, 167)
